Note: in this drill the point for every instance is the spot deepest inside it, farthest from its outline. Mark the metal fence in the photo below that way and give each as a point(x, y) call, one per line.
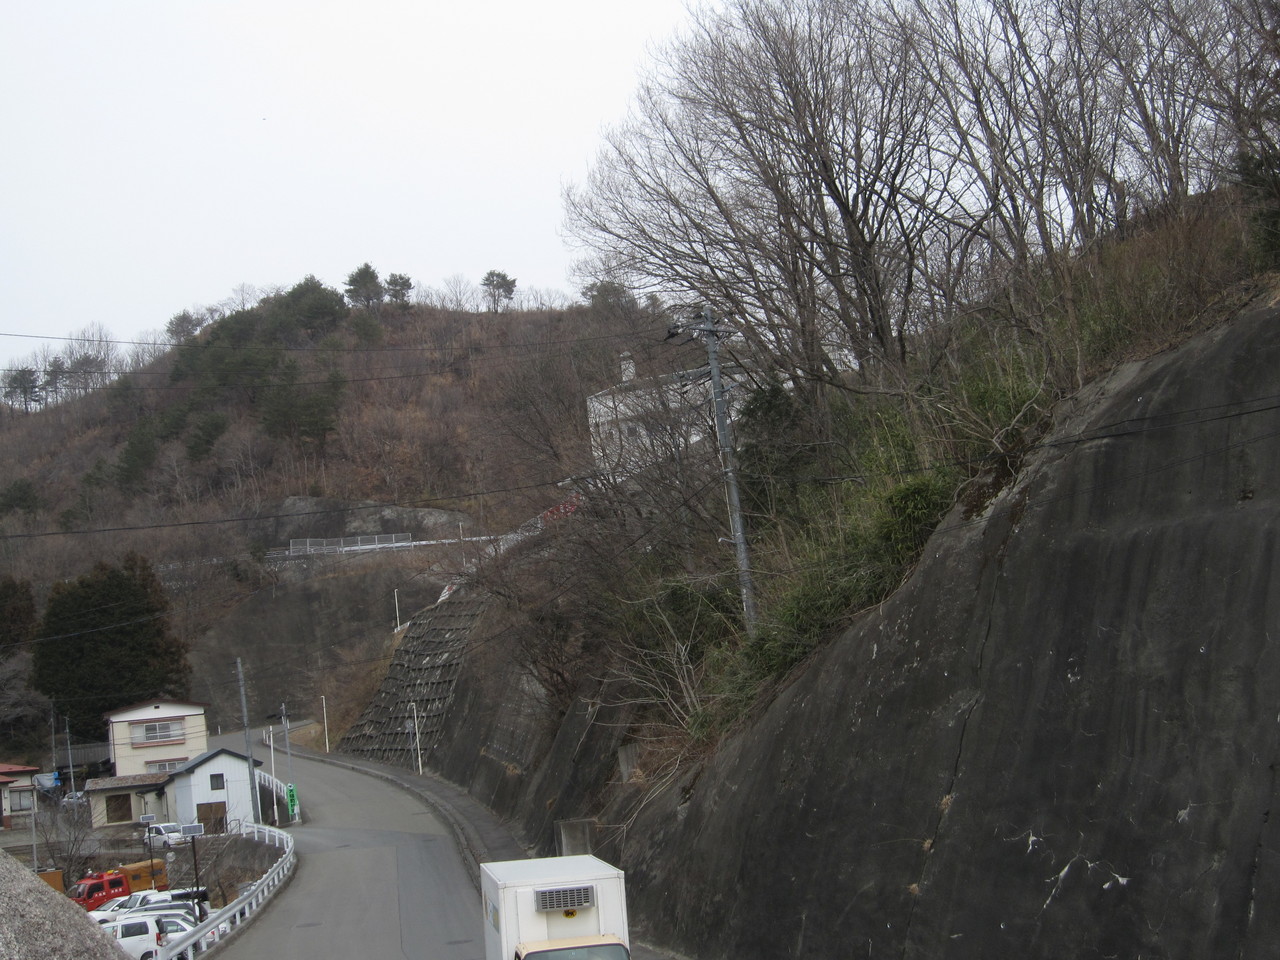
point(232, 917)
point(345, 544)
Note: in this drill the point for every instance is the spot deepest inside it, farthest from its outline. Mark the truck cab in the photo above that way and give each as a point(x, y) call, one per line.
point(94, 889)
point(576, 948)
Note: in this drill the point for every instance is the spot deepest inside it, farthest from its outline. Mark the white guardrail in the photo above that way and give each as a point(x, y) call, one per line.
point(230, 918)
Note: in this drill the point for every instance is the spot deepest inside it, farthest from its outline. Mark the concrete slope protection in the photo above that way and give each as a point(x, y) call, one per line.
point(1059, 739)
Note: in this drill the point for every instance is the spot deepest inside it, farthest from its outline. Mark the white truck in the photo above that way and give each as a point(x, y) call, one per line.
point(554, 908)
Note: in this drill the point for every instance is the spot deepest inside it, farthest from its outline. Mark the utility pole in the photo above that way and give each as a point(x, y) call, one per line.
point(288, 754)
point(275, 797)
point(248, 747)
point(71, 764)
point(705, 324)
point(35, 809)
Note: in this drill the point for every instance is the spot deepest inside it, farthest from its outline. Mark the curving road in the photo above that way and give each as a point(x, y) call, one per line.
point(378, 877)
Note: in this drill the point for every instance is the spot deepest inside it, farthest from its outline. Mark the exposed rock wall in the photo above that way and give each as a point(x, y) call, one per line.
point(298, 638)
point(1059, 739)
point(38, 921)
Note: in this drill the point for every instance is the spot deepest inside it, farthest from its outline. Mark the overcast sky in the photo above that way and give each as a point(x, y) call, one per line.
point(159, 153)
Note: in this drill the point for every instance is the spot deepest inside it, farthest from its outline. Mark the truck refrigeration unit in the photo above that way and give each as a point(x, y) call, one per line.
point(555, 908)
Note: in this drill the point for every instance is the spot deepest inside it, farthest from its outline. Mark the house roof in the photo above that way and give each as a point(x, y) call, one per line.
point(209, 755)
point(4, 779)
point(17, 768)
point(157, 700)
point(132, 780)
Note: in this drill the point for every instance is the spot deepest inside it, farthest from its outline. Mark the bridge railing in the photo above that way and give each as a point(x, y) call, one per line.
point(232, 917)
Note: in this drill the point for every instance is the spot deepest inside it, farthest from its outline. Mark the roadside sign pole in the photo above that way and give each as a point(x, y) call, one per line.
point(195, 863)
point(146, 820)
point(191, 831)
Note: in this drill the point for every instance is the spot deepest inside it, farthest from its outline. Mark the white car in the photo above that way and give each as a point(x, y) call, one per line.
point(112, 909)
point(192, 909)
point(141, 937)
point(164, 834)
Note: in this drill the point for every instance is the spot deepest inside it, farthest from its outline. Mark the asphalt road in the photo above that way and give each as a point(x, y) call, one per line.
point(378, 878)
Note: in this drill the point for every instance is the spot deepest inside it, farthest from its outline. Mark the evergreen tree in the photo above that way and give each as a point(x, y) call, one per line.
point(17, 616)
point(498, 289)
point(399, 286)
point(364, 289)
point(22, 388)
point(19, 495)
point(105, 643)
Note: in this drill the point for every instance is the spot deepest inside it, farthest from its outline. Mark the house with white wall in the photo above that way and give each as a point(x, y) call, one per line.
point(646, 420)
point(147, 742)
point(215, 789)
point(17, 791)
point(156, 736)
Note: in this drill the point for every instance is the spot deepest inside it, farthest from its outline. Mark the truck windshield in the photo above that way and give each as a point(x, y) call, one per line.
point(603, 951)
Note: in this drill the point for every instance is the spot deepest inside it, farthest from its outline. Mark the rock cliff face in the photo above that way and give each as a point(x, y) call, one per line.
point(1058, 739)
point(38, 921)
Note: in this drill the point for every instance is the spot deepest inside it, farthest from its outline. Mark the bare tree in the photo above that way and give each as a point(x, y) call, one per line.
point(459, 294)
point(67, 839)
point(782, 169)
point(92, 359)
point(149, 347)
point(19, 704)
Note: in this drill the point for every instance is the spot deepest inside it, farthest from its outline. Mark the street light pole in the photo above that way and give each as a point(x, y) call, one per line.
point(324, 710)
point(417, 741)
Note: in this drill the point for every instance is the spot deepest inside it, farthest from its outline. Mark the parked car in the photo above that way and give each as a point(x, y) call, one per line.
point(165, 834)
point(141, 937)
point(194, 909)
point(112, 909)
point(75, 798)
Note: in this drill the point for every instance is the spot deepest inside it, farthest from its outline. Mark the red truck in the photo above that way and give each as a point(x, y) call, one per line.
point(93, 890)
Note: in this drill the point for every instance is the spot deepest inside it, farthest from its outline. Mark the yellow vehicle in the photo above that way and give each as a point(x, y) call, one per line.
point(95, 889)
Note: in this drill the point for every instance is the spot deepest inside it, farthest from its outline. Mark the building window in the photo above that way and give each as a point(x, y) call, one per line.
point(165, 766)
point(119, 808)
point(161, 730)
point(217, 781)
point(20, 800)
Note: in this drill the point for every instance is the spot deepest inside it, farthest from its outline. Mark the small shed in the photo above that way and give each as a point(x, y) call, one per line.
point(214, 789)
point(124, 799)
